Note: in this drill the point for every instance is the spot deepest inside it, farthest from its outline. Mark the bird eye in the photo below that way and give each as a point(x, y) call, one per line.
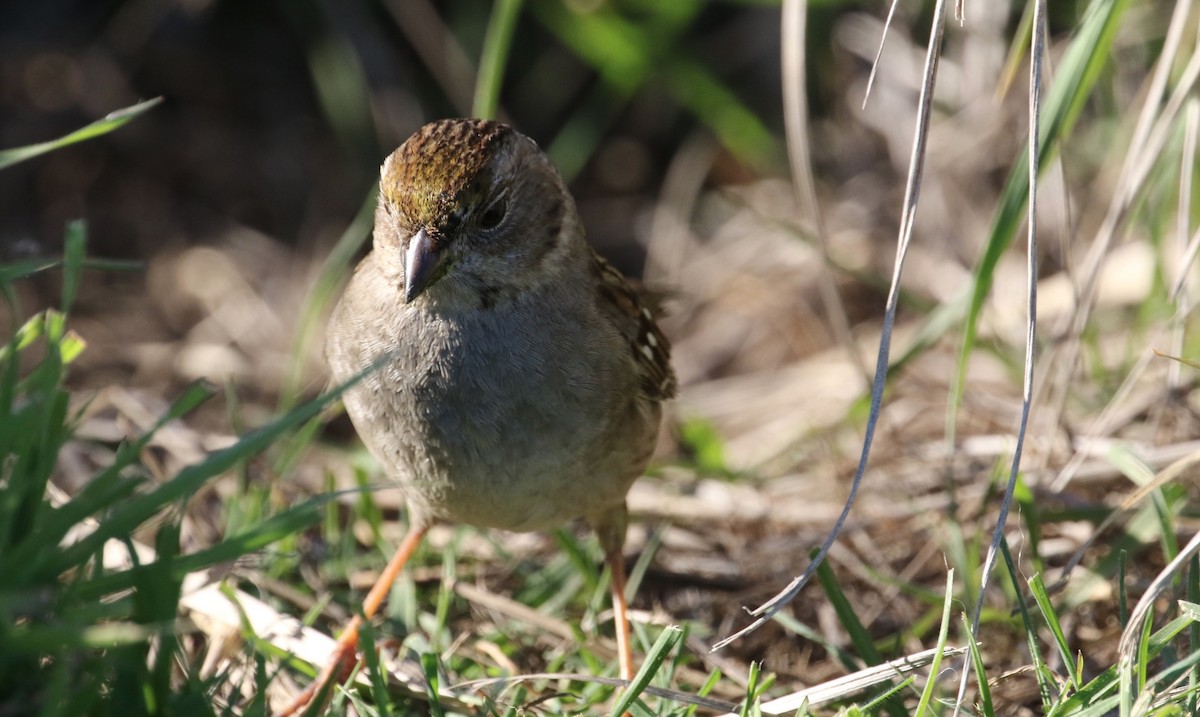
point(493, 214)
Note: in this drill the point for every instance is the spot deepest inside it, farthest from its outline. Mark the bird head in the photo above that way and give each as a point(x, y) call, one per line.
point(471, 211)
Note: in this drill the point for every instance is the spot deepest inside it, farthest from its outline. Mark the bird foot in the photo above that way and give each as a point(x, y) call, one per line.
point(337, 670)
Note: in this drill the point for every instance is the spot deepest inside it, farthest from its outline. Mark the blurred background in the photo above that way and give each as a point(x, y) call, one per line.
point(277, 115)
point(667, 119)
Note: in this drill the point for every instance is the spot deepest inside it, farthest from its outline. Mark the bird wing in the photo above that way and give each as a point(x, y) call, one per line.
point(630, 314)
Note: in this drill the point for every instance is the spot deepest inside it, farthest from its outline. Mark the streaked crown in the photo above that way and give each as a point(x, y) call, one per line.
point(426, 175)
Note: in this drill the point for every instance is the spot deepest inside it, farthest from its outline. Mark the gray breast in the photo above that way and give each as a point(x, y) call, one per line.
point(498, 417)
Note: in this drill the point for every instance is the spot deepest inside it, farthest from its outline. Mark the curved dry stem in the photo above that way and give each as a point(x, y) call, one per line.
point(912, 194)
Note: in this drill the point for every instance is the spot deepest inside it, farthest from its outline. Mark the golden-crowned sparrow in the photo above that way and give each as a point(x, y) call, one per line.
point(525, 377)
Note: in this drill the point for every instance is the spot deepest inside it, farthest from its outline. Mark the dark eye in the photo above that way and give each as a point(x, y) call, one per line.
point(493, 214)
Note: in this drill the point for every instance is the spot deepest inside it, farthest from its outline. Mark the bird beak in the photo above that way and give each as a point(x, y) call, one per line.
point(421, 262)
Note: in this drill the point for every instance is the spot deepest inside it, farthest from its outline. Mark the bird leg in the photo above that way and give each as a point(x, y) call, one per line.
point(345, 653)
point(610, 529)
point(616, 566)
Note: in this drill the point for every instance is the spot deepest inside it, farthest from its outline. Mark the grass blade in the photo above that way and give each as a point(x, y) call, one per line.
point(188, 480)
point(657, 655)
point(943, 633)
point(1038, 588)
point(981, 678)
point(110, 122)
point(1077, 75)
point(1045, 688)
point(495, 57)
point(859, 637)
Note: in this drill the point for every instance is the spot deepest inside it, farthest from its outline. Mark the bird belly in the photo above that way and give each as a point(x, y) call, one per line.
point(503, 430)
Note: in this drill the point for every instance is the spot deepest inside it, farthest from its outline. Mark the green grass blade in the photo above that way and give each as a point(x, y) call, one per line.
point(429, 665)
point(1122, 594)
point(844, 656)
point(1089, 51)
point(859, 637)
point(496, 45)
point(110, 122)
point(1038, 588)
point(654, 659)
point(375, 670)
point(45, 639)
point(191, 478)
point(714, 677)
point(1167, 633)
point(441, 612)
point(579, 558)
point(752, 689)
point(36, 428)
point(342, 88)
point(638, 572)
point(269, 531)
point(1171, 675)
point(31, 267)
point(73, 244)
point(940, 652)
point(1193, 593)
point(627, 55)
point(107, 490)
point(886, 696)
point(333, 272)
point(1045, 688)
point(985, 690)
point(1092, 699)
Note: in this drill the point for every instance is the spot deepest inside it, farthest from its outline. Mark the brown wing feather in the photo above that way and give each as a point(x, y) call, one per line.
point(650, 347)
